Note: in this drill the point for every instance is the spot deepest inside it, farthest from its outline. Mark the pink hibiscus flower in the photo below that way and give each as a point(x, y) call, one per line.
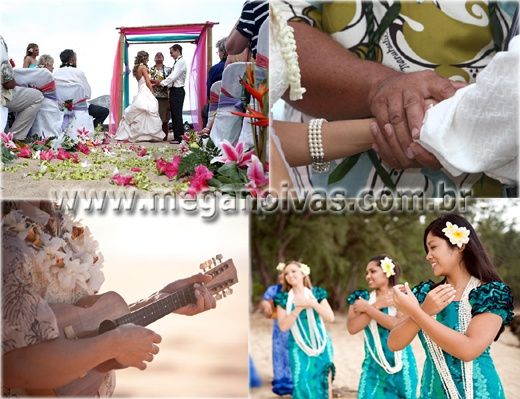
point(170, 169)
point(63, 154)
point(122, 180)
point(47, 155)
point(25, 152)
point(199, 182)
point(83, 148)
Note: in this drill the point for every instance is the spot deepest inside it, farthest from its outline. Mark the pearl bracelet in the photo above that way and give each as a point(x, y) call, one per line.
point(316, 147)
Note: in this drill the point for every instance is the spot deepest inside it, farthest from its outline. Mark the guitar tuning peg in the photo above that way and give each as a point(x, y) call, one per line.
point(219, 258)
point(208, 264)
point(218, 296)
point(229, 291)
point(224, 293)
point(203, 266)
point(214, 261)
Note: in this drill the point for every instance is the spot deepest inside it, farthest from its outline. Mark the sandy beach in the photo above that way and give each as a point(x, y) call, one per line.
point(18, 181)
point(349, 354)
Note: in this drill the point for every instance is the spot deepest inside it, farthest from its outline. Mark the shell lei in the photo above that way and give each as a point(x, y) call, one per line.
point(438, 356)
point(379, 355)
point(284, 35)
point(314, 344)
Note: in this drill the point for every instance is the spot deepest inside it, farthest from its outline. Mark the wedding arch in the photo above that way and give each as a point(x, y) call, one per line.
point(199, 34)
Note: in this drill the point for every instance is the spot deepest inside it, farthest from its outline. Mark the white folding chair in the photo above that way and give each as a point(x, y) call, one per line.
point(80, 119)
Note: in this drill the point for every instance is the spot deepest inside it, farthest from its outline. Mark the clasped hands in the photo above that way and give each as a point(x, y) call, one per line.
point(399, 103)
point(436, 300)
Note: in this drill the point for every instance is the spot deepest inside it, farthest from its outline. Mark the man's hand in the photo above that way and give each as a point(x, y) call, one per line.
point(205, 300)
point(134, 345)
point(398, 104)
point(11, 84)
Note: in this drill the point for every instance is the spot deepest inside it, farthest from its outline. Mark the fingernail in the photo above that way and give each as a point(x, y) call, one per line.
point(374, 129)
point(409, 153)
point(415, 133)
point(389, 130)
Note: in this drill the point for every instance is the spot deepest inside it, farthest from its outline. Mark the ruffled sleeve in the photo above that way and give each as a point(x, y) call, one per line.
point(493, 297)
point(271, 292)
point(281, 299)
point(356, 295)
point(421, 290)
point(319, 293)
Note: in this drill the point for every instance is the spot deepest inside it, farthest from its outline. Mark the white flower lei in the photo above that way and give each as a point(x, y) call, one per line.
point(314, 343)
point(379, 355)
point(438, 356)
point(63, 268)
point(284, 35)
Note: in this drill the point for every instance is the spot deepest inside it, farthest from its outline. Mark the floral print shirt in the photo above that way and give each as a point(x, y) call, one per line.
point(46, 258)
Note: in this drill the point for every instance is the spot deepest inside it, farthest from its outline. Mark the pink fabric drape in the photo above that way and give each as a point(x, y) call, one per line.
point(198, 70)
point(198, 78)
point(115, 97)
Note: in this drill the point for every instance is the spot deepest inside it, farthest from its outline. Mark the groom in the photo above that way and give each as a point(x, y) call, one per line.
point(175, 81)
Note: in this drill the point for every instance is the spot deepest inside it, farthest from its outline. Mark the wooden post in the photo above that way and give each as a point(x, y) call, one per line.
point(209, 45)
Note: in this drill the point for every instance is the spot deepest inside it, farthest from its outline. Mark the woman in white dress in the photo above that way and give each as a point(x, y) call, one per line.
point(141, 120)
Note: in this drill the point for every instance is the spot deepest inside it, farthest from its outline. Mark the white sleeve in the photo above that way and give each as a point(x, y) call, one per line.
point(476, 130)
point(84, 82)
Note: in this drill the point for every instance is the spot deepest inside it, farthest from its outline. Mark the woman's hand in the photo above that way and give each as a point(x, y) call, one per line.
point(266, 308)
point(404, 299)
point(361, 305)
point(306, 303)
point(438, 298)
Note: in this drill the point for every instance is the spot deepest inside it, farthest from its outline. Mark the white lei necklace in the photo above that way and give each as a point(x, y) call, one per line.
point(314, 343)
point(379, 355)
point(438, 356)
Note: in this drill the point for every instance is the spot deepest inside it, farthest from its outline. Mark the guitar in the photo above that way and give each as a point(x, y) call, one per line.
point(97, 314)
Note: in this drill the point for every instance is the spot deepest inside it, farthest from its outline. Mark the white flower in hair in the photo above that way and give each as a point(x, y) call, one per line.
point(280, 266)
point(388, 267)
point(457, 235)
point(306, 270)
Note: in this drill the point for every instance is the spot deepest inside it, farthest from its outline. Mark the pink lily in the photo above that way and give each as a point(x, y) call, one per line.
point(47, 155)
point(83, 133)
point(233, 154)
point(7, 139)
point(122, 180)
point(257, 178)
point(25, 152)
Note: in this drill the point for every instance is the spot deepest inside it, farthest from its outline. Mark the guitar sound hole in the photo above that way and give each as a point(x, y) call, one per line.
point(106, 325)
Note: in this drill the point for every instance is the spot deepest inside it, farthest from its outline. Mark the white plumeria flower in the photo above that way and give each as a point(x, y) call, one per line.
point(457, 235)
point(388, 267)
point(280, 266)
point(36, 155)
point(306, 270)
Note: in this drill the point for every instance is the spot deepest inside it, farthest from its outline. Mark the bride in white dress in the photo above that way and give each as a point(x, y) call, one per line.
point(141, 120)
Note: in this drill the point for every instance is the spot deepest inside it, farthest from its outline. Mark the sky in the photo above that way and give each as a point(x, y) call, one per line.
point(89, 27)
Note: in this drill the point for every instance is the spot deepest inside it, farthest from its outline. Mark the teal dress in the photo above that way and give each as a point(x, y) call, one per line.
point(310, 374)
point(494, 297)
point(375, 382)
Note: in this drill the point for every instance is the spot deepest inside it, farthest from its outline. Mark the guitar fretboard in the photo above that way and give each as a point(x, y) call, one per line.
point(156, 310)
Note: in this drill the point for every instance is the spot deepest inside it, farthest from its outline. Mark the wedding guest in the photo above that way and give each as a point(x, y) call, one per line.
point(245, 33)
point(282, 379)
point(303, 309)
point(46, 61)
point(175, 82)
point(215, 72)
point(457, 318)
point(50, 258)
point(385, 374)
point(24, 101)
point(70, 73)
point(157, 73)
point(31, 53)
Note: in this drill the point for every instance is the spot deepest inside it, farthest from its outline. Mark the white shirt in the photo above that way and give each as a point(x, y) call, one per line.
point(178, 76)
point(71, 75)
point(477, 129)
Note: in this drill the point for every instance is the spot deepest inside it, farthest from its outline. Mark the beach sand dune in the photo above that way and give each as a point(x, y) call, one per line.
point(349, 354)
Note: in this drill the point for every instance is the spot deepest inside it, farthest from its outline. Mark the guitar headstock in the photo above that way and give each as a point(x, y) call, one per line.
point(224, 276)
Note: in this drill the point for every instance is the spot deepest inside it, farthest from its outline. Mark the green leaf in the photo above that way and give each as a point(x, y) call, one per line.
point(381, 171)
point(343, 168)
point(7, 155)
